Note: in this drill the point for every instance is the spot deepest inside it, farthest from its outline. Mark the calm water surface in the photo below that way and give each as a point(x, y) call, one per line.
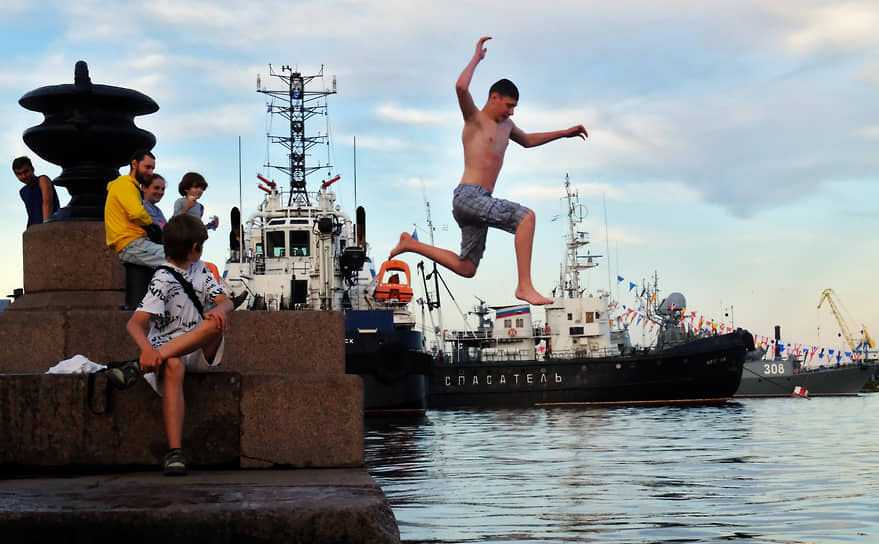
point(756, 470)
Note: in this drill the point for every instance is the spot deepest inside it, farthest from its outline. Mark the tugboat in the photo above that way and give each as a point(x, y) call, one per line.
point(298, 251)
point(576, 358)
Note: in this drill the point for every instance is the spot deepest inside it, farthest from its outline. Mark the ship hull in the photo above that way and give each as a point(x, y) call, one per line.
point(778, 379)
point(706, 370)
point(391, 360)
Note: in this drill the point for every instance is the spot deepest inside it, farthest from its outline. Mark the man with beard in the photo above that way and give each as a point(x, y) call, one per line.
point(125, 217)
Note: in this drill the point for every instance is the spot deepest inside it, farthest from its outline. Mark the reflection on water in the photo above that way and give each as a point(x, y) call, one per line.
point(762, 470)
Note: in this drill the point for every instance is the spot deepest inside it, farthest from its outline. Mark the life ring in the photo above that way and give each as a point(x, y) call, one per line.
point(548, 330)
point(512, 332)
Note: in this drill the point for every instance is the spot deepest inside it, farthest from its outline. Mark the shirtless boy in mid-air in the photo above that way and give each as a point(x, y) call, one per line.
point(486, 135)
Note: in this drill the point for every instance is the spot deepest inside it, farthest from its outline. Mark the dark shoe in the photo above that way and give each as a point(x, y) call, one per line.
point(174, 463)
point(123, 374)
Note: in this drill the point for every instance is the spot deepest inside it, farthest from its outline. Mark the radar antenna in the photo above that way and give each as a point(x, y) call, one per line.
point(296, 104)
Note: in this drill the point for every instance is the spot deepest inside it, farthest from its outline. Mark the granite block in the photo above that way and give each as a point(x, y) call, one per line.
point(60, 420)
point(328, 505)
point(60, 301)
point(31, 341)
point(70, 255)
point(301, 342)
point(100, 335)
point(301, 420)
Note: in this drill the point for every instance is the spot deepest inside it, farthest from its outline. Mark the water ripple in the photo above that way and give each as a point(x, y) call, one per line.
point(757, 470)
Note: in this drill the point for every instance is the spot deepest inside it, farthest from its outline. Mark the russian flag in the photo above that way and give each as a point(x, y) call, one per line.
point(519, 310)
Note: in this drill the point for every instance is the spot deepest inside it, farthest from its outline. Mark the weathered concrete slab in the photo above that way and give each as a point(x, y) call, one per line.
point(70, 255)
point(301, 420)
point(326, 505)
point(306, 342)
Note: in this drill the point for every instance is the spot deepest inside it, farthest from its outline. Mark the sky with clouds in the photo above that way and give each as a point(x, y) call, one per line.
point(731, 143)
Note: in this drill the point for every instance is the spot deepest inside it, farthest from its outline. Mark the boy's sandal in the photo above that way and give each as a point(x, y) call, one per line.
point(123, 374)
point(174, 463)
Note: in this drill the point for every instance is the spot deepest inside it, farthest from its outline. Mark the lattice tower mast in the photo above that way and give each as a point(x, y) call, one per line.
point(574, 262)
point(296, 104)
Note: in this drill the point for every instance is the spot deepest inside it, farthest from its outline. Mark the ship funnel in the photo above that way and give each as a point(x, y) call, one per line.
point(360, 227)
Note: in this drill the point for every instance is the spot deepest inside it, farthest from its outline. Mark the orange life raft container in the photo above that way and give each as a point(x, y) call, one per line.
point(393, 289)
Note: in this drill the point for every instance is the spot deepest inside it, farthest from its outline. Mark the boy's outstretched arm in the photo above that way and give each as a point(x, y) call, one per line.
point(540, 138)
point(462, 87)
point(137, 328)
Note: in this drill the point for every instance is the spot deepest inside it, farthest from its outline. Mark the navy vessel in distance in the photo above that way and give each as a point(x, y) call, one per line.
point(779, 376)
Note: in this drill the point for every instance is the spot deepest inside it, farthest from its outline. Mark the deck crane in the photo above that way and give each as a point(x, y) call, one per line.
point(860, 345)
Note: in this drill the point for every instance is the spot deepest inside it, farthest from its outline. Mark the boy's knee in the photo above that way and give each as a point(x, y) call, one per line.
point(174, 368)
point(528, 220)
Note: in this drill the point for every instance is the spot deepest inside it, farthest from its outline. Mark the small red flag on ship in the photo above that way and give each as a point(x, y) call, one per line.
point(801, 392)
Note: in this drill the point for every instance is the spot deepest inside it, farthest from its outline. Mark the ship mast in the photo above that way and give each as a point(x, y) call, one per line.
point(574, 262)
point(296, 105)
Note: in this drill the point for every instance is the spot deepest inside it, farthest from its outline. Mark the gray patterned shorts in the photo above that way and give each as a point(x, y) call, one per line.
point(475, 210)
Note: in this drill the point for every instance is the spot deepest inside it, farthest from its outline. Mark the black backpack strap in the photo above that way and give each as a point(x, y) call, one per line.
point(187, 288)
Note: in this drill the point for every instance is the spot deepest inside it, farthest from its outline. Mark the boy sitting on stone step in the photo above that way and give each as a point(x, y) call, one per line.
point(173, 330)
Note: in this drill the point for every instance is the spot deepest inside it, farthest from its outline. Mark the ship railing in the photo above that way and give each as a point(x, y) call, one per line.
point(588, 354)
point(468, 335)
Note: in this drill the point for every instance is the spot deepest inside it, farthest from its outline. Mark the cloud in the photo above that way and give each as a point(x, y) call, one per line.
point(384, 143)
point(844, 26)
point(532, 193)
point(870, 132)
point(230, 119)
point(409, 116)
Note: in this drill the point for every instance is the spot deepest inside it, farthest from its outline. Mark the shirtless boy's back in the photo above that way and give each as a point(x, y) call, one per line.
point(486, 134)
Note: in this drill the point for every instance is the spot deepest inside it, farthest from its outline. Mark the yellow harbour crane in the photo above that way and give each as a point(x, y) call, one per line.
point(856, 344)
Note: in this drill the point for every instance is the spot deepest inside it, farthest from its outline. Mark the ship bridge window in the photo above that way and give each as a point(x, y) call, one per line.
point(276, 222)
point(299, 243)
point(275, 244)
point(520, 323)
point(575, 331)
point(570, 317)
point(508, 323)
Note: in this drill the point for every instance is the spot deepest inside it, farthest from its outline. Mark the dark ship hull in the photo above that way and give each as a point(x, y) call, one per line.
point(778, 379)
point(706, 370)
point(391, 360)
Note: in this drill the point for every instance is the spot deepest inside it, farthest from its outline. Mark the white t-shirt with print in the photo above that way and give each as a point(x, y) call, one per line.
point(172, 311)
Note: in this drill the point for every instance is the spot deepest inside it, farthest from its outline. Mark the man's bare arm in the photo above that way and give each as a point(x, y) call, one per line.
point(462, 86)
point(540, 138)
point(48, 201)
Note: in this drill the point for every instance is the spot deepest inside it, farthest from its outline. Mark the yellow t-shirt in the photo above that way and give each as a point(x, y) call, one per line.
point(124, 214)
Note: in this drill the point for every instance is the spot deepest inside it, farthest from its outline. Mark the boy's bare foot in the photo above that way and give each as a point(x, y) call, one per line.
point(532, 296)
point(403, 245)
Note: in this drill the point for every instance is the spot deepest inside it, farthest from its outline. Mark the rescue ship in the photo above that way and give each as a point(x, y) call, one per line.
point(575, 358)
point(298, 251)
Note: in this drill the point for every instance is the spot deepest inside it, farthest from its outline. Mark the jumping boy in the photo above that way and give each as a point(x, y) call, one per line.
point(170, 331)
point(485, 137)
